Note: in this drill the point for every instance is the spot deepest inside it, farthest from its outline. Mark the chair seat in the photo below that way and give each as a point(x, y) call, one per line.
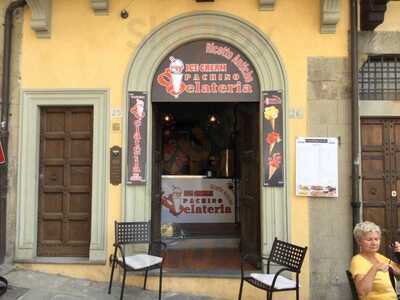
point(141, 261)
point(281, 282)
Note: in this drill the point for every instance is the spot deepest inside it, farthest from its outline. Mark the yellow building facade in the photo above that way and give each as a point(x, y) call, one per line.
point(87, 55)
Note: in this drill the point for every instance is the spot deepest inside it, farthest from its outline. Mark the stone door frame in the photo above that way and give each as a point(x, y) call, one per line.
point(275, 210)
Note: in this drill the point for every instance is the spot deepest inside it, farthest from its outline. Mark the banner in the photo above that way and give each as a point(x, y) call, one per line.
point(273, 138)
point(2, 155)
point(137, 121)
point(195, 199)
point(204, 71)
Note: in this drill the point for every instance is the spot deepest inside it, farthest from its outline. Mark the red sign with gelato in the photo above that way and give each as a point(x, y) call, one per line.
point(2, 155)
point(205, 70)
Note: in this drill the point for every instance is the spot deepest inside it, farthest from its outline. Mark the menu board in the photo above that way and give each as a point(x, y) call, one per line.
point(317, 167)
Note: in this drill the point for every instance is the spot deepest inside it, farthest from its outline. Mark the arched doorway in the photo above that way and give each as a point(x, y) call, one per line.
point(259, 50)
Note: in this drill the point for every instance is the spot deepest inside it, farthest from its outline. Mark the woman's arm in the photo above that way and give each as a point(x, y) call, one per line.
point(364, 282)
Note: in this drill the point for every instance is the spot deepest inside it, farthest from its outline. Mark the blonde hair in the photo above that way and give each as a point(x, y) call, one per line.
point(363, 228)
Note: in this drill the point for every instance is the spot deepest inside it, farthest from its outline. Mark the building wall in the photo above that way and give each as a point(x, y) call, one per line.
point(329, 106)
point(86, 51)
point(13, 123)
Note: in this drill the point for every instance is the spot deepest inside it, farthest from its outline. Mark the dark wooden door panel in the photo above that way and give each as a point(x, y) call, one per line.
point(249, 178)
point(65, 186)
point(380, 147)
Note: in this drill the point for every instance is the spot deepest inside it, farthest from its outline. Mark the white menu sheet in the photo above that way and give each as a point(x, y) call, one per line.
point(317, 167)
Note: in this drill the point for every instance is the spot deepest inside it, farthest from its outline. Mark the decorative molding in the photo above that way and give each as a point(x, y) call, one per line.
point(27, 188)
point(330, 14)
point(41, 17)
point(100, 7)
point(266, 4)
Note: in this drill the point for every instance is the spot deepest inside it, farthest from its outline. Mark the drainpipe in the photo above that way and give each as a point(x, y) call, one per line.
point(355, 122)
point(5, 106)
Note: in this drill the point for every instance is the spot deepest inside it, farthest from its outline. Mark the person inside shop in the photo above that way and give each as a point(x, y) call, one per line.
point(370, 269)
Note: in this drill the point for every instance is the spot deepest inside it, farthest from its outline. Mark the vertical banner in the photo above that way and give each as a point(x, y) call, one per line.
point(2, 155)
point(272, 138)
point(137, 120)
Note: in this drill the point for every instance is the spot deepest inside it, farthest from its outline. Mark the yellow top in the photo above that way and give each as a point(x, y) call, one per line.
point(381, 286)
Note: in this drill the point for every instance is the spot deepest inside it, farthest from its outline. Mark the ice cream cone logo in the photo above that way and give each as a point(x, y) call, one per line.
point(271, 139)
point(274, 164)
point(172, 77)
point(271, 113)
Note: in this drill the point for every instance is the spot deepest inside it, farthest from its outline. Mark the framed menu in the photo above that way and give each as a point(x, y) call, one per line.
point(317, 167)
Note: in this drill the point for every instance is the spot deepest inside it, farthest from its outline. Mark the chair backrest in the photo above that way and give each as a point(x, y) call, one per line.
point(132, 232)
point(288, 255)
point(352, 285)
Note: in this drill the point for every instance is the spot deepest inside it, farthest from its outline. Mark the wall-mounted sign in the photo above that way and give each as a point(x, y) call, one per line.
point(137, 120)
point(205, 70)
point(2, 155)
point(194, 199)
point(317, 167)
point(273, 138)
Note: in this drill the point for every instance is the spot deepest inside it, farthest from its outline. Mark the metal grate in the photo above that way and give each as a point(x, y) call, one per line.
point(132, 232)
point(379, 78)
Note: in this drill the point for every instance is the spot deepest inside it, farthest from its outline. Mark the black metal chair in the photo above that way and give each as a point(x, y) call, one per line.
point(287, 257)
point(352, 285)
point(3, 285)
point(136, 233)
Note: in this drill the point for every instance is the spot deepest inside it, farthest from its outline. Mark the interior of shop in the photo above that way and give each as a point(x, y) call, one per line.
point(204, 219)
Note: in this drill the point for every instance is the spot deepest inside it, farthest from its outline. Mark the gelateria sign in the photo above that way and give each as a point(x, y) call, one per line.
point(205, 70)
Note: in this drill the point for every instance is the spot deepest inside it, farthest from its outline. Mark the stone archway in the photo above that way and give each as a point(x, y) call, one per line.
point(265, 59)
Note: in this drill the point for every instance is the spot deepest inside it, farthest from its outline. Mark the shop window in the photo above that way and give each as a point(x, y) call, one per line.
point(379, 78)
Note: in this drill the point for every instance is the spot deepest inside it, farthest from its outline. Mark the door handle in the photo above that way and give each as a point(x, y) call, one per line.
point(394, 194)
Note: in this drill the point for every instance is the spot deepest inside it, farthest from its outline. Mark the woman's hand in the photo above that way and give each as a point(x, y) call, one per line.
point(396, 247)
point(381, 267)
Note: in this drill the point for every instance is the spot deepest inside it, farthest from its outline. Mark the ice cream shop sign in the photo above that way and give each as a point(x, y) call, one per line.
point(205, 70)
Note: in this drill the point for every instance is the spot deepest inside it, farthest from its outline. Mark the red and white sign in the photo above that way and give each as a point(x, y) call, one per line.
point(2, 155)
point(195, 199)
point(205, 70)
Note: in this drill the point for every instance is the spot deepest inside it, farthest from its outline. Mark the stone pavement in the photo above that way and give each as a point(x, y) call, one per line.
point(31, 285)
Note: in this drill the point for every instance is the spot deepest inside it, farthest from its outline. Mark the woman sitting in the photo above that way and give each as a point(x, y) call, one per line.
point(369, 268)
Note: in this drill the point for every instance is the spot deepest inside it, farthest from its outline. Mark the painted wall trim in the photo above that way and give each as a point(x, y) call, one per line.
point(28, 168)
point(379, 108)
point(100, 7)
point(266, 4)
point(378, 42)
point(330, 15)
point(41, 17)
point(275, 215)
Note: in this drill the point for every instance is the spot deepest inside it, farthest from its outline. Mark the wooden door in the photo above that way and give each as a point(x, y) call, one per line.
point(249, 177)
point(65, 181)
point(156, 175)
point(380, 147)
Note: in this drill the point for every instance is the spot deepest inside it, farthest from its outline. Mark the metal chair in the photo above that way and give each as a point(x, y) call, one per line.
point(288, 258)
point(352, 285)
point(136, 233)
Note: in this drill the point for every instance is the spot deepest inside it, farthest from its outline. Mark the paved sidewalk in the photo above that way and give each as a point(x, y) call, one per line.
point(30, 285)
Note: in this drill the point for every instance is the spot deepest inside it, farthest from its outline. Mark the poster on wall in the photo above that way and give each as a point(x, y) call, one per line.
point(273, 138)
point(203, 71)
point(2, 155)
point(317, 167)
point(195, 199)
point(137, 120)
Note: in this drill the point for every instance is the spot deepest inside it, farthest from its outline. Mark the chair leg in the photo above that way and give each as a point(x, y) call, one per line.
point(123, 285)
point(297, 294)
point(145, 279)
point(111, 277)
point(240, 289)
point(160, 287)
